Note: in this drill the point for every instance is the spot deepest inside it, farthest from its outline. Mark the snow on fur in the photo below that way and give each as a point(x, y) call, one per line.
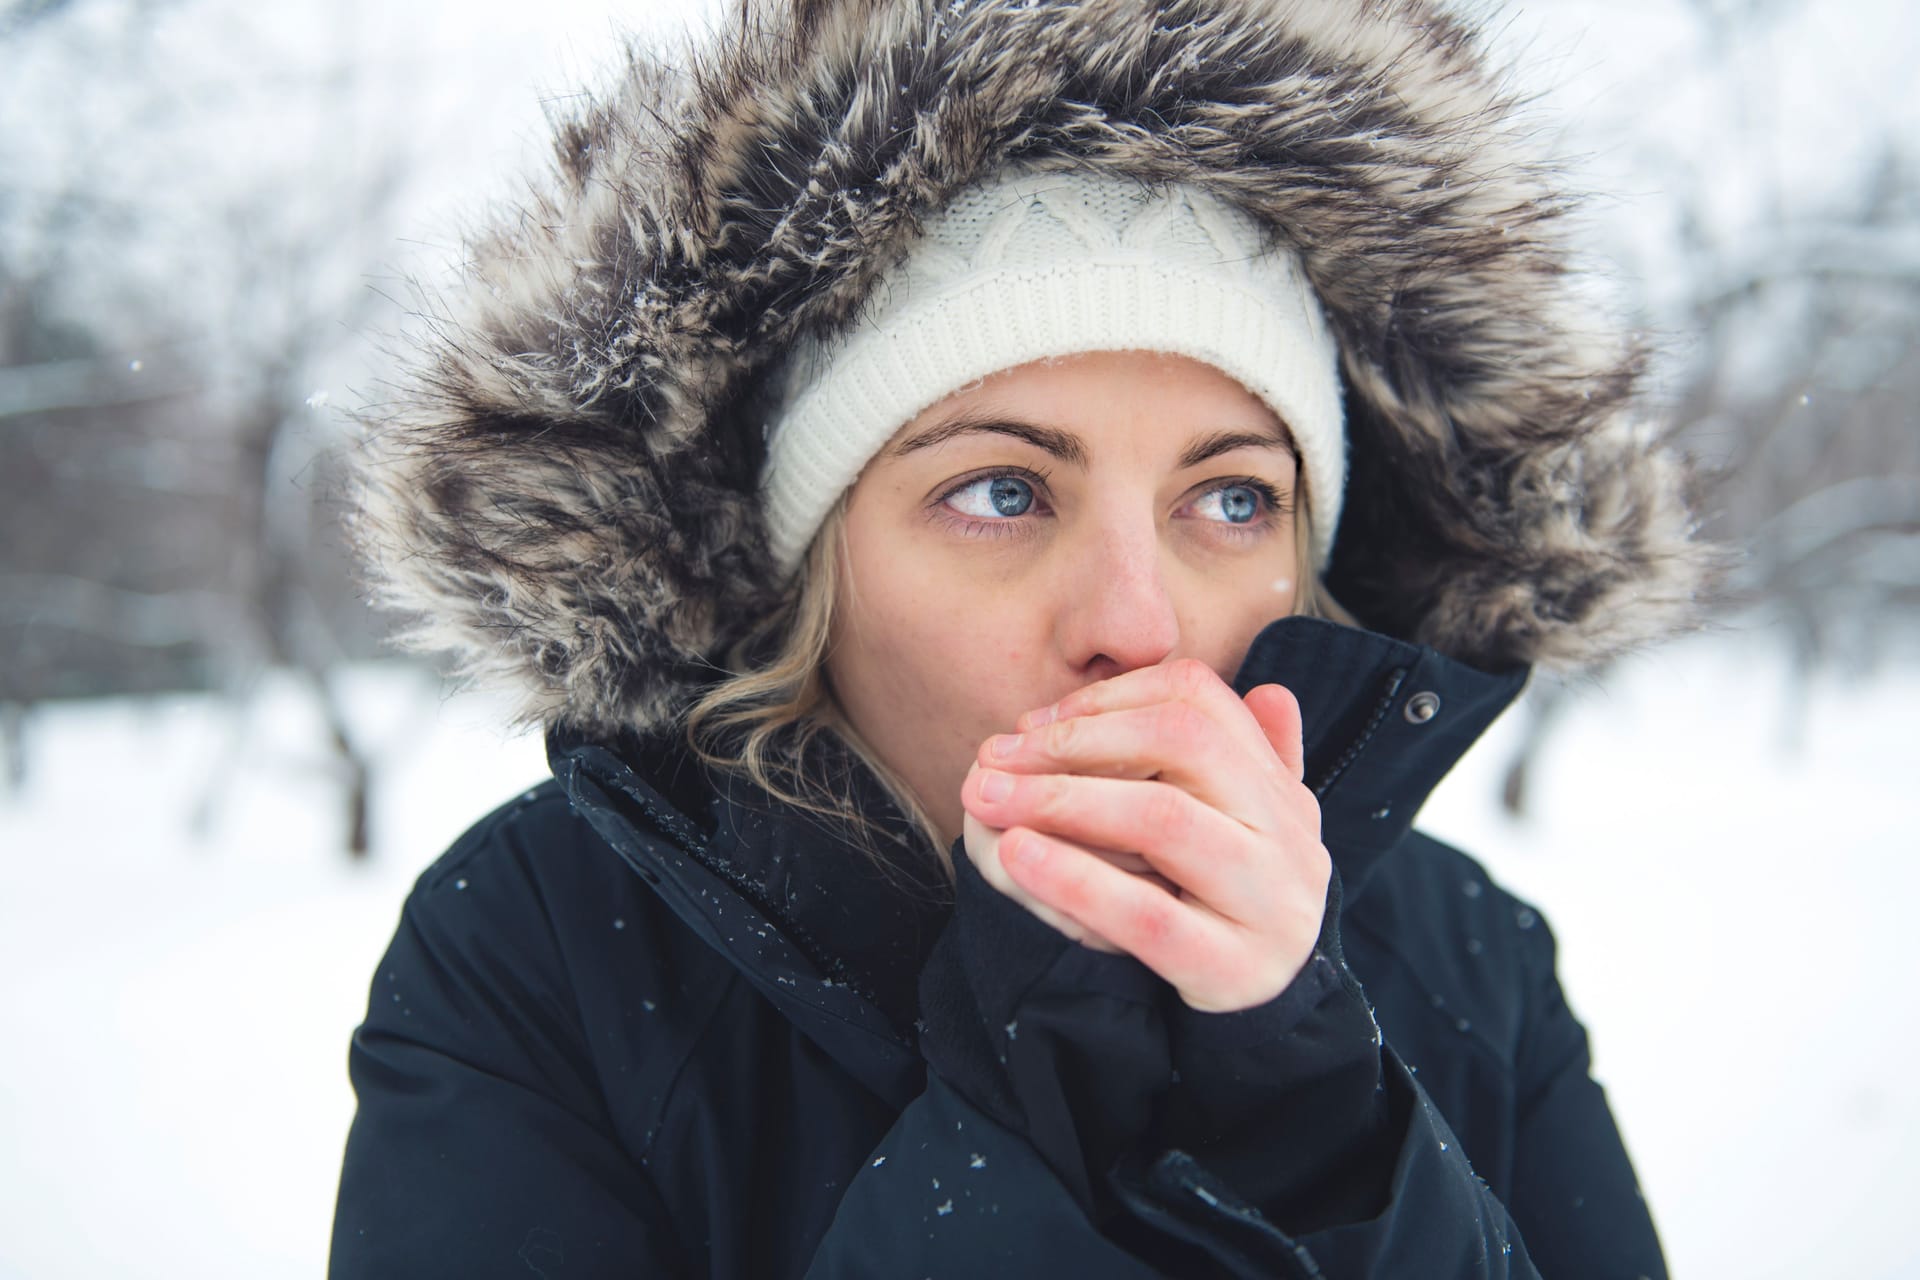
point(563, 493)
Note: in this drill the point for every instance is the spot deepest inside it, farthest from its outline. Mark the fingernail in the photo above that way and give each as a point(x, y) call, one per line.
point(1004, 745)
point(994, 785)
point(1045, 715)
point(1027, 849)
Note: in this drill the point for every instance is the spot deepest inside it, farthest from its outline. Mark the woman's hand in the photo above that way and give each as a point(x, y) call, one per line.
point(1162, 770)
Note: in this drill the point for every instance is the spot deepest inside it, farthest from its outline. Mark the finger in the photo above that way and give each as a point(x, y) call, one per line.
point(1191, 950)
point(1277, 712)
point(1134, 864)
point(986, 841)
point(1226, 868)
point(1185, 680)
point(1172, 741)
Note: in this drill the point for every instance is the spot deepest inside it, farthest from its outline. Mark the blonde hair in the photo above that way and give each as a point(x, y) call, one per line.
point(766, 720)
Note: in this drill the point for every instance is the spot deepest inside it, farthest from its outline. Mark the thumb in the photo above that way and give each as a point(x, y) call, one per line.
point(1277, 712)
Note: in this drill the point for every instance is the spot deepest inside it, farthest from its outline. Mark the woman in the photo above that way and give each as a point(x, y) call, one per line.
point(908, 462)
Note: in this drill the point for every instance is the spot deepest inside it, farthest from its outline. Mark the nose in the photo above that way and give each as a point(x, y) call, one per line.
point(1115, 611)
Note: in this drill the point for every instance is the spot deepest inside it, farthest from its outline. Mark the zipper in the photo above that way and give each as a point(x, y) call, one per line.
point(1395, 680)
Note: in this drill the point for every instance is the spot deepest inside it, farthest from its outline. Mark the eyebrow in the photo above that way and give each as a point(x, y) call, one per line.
point(1227, 441)
point(1061, 444)
point(1068, 447)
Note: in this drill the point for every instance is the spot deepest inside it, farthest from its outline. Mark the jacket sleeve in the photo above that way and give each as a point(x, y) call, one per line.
point(1150, 1140)
point(1395, 1195)
point(1303, 1124)
point(463, 1021)
point(1053, 1136)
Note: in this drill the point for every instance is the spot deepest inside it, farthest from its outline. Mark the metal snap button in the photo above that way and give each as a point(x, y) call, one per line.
point(1422, 707)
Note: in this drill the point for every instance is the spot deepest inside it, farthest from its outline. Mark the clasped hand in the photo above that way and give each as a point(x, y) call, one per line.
point(1159, 814)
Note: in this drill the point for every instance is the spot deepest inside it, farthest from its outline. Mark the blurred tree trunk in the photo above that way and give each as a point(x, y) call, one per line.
point(1798, 384)
point(166, 305)
point(13, 746)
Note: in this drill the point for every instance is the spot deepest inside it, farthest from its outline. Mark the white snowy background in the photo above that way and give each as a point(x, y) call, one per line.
point(1728, 857)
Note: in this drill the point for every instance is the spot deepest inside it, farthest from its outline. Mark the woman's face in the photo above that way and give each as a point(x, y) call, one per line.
point(1054, 525)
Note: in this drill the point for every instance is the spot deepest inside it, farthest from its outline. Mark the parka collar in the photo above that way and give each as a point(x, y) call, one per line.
point(836, 945)
point(808, 921)
point(1384, 721)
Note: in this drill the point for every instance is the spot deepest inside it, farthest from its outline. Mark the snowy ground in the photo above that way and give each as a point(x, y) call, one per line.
point(1731, 884)
point(180, 968)
point(177, 1001)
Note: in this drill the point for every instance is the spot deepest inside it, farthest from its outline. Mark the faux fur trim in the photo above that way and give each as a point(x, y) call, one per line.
point(563, 495)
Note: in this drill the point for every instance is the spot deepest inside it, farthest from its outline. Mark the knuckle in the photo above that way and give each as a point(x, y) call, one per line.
point(1167, 812)
point(1150, 924)
point(1190, 677)
point(1178, 723)
point(1072, 891)
point(1049, 794)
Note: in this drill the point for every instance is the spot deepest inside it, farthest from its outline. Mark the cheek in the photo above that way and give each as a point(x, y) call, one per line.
point(1281, 593)
point(943, 646)
point(934, 653)
point(1224, 610)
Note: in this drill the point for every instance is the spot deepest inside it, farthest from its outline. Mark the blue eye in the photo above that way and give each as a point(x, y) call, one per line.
point(993, 497)
point(1233, 503)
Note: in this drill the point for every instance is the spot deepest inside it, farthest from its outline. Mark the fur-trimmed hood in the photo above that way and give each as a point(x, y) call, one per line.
point(563, 492)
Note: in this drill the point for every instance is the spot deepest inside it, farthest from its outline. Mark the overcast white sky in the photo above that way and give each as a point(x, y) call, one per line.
point(1649, 93)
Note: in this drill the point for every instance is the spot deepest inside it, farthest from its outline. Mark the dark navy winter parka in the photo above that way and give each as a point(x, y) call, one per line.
point(644, 1022)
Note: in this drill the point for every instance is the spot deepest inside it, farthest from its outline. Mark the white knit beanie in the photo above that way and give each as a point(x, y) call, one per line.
point(1038, 264)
